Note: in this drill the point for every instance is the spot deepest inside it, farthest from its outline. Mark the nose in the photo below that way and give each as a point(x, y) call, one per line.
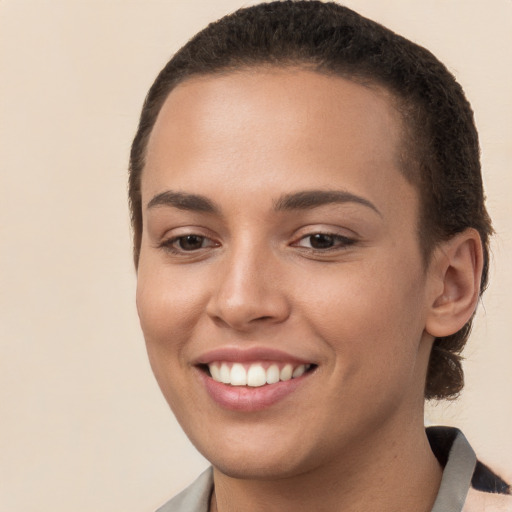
point(250, 290)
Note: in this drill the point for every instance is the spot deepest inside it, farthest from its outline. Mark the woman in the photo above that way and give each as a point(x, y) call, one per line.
point(311, 242)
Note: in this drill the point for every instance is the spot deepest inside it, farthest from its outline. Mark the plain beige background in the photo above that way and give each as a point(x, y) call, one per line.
point(82, 424)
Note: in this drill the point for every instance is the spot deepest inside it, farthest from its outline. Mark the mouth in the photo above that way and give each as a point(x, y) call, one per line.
point(252, 379)
point(255, 374)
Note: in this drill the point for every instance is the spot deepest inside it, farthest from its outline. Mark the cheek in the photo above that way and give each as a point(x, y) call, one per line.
point(164, 313)
point(167, 302)
point(371, 318)
point(168, 308)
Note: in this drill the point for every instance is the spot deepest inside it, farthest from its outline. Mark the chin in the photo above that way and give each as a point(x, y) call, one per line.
point(262, 459)
point(259, 468)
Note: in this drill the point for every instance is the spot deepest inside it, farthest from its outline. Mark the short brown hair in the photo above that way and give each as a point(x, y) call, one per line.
point(441, 150)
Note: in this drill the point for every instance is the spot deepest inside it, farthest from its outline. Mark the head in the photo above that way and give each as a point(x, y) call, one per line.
point(439, 152)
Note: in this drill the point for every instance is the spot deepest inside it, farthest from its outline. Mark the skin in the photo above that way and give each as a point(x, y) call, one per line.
point(364, 311)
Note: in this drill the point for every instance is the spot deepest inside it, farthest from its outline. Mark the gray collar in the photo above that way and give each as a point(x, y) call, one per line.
point(195, 498)
point(457, 476)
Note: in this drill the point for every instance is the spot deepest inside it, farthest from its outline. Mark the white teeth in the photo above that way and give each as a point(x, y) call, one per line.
point(286, 372)
point(299, 371)
point(225, 374)
point(256, 375)
point(273, 374)
point(238, 375)
point(215, 371)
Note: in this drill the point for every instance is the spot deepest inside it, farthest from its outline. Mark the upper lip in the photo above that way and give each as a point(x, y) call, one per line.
point(246, 355)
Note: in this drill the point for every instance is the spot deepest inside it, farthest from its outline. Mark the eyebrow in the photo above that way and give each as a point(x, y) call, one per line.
point(309, 199)
point(304, 200)
point(184, 201)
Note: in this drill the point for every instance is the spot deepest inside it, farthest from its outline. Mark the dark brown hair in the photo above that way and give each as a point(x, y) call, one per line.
point(440, 153)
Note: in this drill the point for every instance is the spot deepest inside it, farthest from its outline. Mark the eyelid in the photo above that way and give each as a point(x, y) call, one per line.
point(324, 229)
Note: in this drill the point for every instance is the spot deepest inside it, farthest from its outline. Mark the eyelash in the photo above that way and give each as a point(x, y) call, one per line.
point(340, 243)
point(169, 245)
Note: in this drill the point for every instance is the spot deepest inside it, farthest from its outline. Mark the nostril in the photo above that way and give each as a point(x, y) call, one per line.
point(268, 317)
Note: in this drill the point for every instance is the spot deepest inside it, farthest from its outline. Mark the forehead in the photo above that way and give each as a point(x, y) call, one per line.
point(267, 126)
point(288, 102)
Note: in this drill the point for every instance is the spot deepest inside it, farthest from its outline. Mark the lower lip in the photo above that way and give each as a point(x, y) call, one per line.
point(245, 398)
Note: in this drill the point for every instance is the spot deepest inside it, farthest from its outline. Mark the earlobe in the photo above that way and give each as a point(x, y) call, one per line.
point(456, 269)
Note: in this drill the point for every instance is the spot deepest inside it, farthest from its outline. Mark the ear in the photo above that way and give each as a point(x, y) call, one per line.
point(454, 272)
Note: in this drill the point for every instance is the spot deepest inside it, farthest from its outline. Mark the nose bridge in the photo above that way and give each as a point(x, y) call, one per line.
point(248, 290)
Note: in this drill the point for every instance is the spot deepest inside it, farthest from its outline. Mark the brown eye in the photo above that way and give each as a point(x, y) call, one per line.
point(324, 242)
point(190, 242)
point(321, 241)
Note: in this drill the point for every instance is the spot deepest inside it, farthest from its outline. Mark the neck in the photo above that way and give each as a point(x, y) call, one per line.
point(386, 472)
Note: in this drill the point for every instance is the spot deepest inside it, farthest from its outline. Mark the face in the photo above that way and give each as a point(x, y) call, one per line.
point(281, 289)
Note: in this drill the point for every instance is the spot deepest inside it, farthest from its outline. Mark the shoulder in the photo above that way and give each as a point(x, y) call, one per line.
point(489, 492)
point(482, 501)
point(195, 498)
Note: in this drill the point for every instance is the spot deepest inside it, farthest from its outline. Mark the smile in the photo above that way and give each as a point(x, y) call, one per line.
point(252, 379)
point(255, 374)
